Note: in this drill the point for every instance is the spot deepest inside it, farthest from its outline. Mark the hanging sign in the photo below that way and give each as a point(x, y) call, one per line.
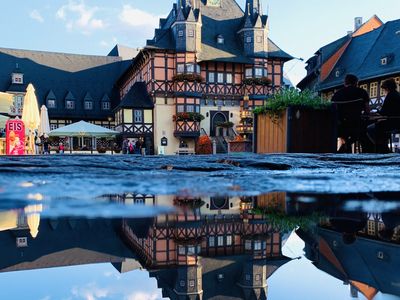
point(15, 137)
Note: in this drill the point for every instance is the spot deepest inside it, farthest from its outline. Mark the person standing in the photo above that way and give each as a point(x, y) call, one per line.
point(379, 132)
point(351, 102)
point(125, 146)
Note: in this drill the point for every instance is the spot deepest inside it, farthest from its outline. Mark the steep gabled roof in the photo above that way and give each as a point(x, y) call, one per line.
point(363, 55)
point(137, 97)
point(62, 73)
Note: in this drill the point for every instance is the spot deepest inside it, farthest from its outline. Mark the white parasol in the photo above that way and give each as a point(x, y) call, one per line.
point(30, 116)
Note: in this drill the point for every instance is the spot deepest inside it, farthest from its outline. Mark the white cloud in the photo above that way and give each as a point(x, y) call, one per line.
point(79, 16)
point(137, 18)
point(142, 296)
point(35, 14)
point(90, 292)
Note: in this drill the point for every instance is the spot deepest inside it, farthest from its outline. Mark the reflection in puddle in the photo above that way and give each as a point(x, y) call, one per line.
point(216, 247)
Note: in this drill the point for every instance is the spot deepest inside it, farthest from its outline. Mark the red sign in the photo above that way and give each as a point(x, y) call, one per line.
point(15, 137)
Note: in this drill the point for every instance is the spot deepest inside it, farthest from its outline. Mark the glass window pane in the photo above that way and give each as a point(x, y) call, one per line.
point(190, 108)
point(190, 68)
point(229, 78)
point(249, 73)
point(220, 77)
point(211, 77)
point(181, 68)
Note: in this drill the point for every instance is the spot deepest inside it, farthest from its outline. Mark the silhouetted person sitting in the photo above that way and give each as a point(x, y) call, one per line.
point(351, 101)
point(379, 132)
point(348, 223)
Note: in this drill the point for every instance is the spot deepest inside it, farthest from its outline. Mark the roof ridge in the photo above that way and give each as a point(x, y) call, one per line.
point(57, 53)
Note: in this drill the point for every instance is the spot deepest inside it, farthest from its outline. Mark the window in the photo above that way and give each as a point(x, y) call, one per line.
point(220, 240)
point(259, 39)
point(211, 241)
point(191, 33)
point(88, 105)
point(106, 105)
point(191, 283)
point(258, 72)
point(70, 104)
point(364, 87)
point(190, 68)
point(198, 70)
point(51, 103)
point(191, 250)
point(190, 108)
point(180, 33)
point(180, 68)
point(220, 78)
point(384, 61)
point(248, 277)
point(182, 283)
point(258, 277)
point(211, 77)
point(228, 78)
point(181, 250)
point(373, 90)
point(220, 39)
point(229, 240)
point(248, 40)
point(247, 245)
point(257, 245)
point(337, 73)
point(249, 73)
point(180, 108)
point(53, 126)
point(138, 116)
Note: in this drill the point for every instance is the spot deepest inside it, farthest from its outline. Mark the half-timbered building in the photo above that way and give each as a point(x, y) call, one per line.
point(371, 52)
point(205, 58)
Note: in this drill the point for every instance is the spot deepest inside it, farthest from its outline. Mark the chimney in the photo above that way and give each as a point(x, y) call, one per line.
point(358, 21)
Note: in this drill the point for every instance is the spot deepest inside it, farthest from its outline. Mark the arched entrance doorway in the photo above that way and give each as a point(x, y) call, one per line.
point(217, 117)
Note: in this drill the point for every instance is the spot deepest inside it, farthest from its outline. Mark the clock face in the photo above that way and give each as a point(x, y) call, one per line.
point(214, 2)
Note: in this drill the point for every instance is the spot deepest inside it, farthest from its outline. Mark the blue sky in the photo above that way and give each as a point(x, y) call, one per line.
point(94, 26)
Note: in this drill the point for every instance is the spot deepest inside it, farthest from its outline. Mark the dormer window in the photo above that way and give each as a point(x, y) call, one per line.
point(88, 105)
point(105, 105)
point(70, 104)
point(51, 103)
point(384, 61)
point(220, 39)
point(17, 78)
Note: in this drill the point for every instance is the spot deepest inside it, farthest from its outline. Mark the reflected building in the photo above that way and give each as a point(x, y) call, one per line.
point(209, 248)
point(212, 248)
point(369, 264)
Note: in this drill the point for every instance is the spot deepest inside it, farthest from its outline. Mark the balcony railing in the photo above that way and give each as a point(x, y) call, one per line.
point(187, 129)
point(209, 88)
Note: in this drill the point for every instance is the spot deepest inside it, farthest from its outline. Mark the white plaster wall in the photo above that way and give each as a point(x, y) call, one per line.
point(235, 209)
point(163, 123)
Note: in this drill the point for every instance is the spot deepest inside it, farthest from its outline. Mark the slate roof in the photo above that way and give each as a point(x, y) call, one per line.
point(364, 53)
point(65, 74)
point(137, 97)
point(126, 53)
point(226, 20)
point(360, 262)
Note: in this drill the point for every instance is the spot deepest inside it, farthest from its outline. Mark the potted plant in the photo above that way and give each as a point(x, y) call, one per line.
point(191, 77)
point(257, 81)
point(101, 150)
point(295, 122)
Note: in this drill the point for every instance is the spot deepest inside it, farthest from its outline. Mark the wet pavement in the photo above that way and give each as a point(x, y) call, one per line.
point(212, 227)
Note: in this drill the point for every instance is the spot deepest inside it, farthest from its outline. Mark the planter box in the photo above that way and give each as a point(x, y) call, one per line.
point(297, 130)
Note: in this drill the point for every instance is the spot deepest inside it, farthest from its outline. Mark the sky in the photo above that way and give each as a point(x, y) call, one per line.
point(95, 26)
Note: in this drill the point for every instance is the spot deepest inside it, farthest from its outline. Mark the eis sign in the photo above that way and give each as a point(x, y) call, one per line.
point(15, 137)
